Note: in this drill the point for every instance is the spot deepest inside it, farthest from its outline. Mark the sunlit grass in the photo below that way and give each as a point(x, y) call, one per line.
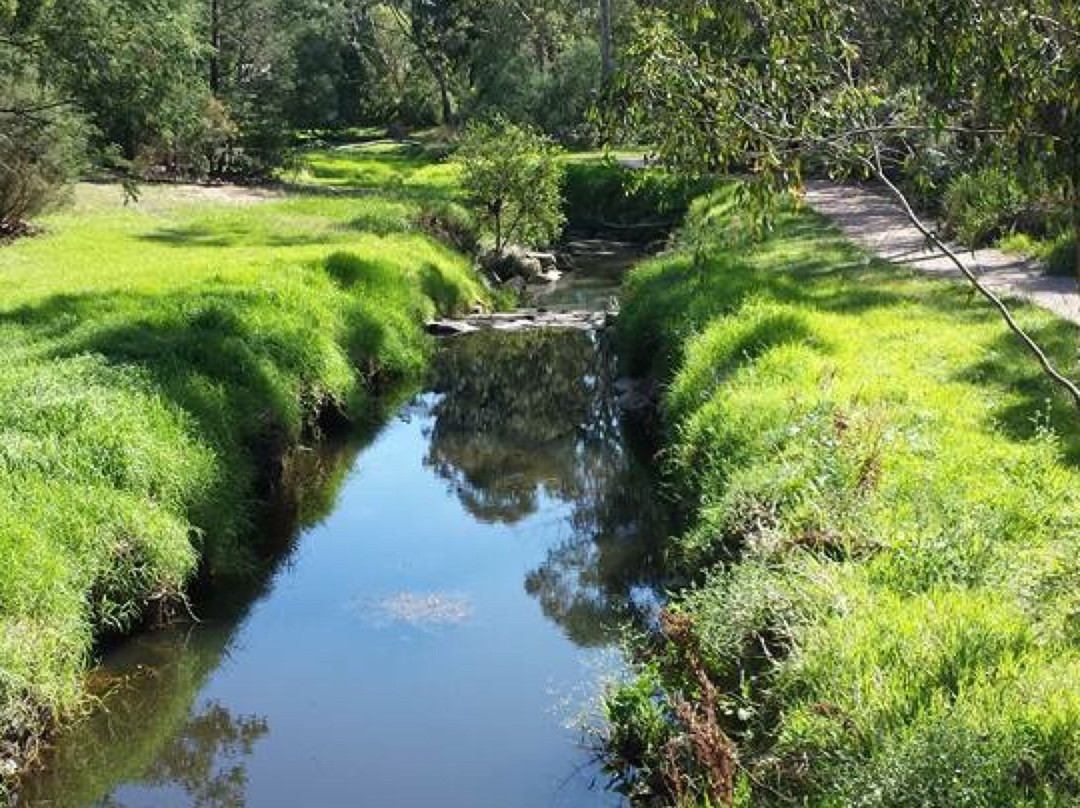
point(407, 169)
point(156, 357)
point(886, 488)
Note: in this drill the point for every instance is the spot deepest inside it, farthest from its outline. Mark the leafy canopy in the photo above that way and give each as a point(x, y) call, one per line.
point(513, 178)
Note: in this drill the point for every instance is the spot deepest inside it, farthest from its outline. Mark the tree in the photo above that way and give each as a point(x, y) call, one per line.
point(116, 75)
point(607, 40)
point(439, 32)
point(513, 177)
point(774, 86)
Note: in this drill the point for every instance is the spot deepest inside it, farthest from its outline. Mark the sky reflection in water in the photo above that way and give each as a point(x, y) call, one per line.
point(451, 592)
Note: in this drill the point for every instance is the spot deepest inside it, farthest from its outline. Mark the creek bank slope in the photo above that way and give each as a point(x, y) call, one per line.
point(156, 360)
point(884, 509)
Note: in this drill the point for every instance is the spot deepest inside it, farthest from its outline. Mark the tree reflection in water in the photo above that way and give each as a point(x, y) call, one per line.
point(520, 417)
point(149, 731)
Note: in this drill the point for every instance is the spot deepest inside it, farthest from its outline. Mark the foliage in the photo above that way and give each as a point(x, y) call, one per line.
point(890, 493)
point(981, 207)
point(451, 224)
point(777, 87)
point(136, 434)
point(512, 176)
point(1055, 252)
point(72, 69)
point(644, 203)
point(35, 163)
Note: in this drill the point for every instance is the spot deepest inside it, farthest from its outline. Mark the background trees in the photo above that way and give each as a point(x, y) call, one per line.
point(936, 91)
point(219, 88)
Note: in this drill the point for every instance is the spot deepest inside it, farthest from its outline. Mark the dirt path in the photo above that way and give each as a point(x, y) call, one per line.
point(875, 222)
point(156, 197)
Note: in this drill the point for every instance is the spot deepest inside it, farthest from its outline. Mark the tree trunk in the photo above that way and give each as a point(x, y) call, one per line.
point(1075, 192)
point(444, 97)
point(1076, 231)
point(215, 47)
point(607, 40)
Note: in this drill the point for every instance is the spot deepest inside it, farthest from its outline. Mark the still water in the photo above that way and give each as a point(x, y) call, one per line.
point(447, 597)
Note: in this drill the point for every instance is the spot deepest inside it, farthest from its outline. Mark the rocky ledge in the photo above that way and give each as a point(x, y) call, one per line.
point(521, 320)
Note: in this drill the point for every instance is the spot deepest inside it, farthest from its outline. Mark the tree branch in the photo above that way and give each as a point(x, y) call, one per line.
point(1048, 367)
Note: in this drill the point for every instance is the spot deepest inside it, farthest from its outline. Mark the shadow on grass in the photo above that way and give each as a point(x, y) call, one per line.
point(220, 237)
point(251, 369)
point(802, 265)
point(1035, 402)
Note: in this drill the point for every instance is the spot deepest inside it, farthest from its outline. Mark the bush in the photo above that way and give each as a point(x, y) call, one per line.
point(512, 176)
point(1057, 253)
point(983, 206)
point(607, 195)
point(36, 163)
point(451, 224)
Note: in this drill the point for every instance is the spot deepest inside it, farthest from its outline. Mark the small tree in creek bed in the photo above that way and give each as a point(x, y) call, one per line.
point(513, 178)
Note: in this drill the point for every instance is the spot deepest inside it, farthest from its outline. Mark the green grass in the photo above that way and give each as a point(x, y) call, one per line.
point(1058, 254)
point(157, 359)
point(884, 522)
point(406, 169)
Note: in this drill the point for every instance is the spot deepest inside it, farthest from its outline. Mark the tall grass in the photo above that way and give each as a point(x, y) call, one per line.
point(885, 517)
point(157, 359)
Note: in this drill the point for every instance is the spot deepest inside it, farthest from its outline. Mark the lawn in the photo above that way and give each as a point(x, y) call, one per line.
point(883, 507)
point(409, 169)
point(159, 358)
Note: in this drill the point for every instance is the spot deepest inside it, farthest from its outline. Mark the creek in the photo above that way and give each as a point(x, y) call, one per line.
point(449, 593)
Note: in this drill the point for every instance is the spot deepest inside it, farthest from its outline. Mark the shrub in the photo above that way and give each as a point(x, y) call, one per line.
point(512, 176)
point(607, 195)
point(450, 224)
point(36, 162)
point(983, 206)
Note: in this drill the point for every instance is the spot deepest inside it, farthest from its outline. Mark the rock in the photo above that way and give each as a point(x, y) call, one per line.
point(547, 260)
point(527, 320)
point(514, 262)
point(634, 402)
point(547, 277)
point(515, 285)
point(517, 262)
point(635, 395)
point(450, 328)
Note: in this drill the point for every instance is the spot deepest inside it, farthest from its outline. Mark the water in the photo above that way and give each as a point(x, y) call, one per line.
point(600, 266)
point(448, 596)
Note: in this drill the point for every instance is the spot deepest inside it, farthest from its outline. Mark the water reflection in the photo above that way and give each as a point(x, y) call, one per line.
point(395, 654)
point(147, 729)
point(521, 417)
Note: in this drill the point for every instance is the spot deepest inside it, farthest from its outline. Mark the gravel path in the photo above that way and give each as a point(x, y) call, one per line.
point(874, 221)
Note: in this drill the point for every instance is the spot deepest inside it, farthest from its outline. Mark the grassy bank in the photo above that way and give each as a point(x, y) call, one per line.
point(156, 358)
point(884, 516)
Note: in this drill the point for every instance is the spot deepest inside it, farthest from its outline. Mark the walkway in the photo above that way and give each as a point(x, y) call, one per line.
point(874, 221)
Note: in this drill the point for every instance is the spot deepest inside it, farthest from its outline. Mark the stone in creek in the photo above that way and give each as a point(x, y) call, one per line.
point(635, 395)
point(547, 277)
point(515, 285)
point(514, 262)
point(451, 328)
point(548, 261)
